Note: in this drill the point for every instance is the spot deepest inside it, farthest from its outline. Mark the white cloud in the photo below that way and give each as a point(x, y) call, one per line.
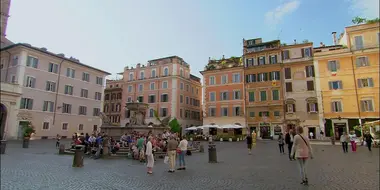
point(273, 17)
point(365, 8)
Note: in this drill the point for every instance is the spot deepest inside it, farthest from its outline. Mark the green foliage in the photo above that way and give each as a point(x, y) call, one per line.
point(175, 127)
point(305, 41)
point(373, 21)
point(358, 20)
point(28, 129)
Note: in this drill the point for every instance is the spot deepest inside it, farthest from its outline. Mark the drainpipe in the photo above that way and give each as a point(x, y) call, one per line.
point(9, 63)
point(356, 93)
point(56, 92)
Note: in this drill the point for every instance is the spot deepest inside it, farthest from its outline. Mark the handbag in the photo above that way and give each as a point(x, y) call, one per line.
point(166, 160)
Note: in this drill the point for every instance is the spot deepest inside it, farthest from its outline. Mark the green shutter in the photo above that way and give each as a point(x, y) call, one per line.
point(251, 96)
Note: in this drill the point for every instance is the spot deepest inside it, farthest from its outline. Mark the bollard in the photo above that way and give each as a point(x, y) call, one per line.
point(3, 146)
point(201, 148)
point(212, 153)
point(78, 156)
point(61, 149)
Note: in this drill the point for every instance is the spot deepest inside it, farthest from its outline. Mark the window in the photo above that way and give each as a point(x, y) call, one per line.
point(312, 107)
point(181, 98)
point(32, 62)
point(187, 100)
point(273, 59)
point(48, 106)
point(13, 79)
point(140, 98)
point(236, 111)
point(251, 114)
point(291, 108)
point(288, 87)
point(53, 68)
point(129, 88)
point(151, 113)
point(224, 79)
point(336, 106)
point(334, 85)
point(153, 73)
point(262, 77)
point(285, 55)
point(130, 76)
point(129, 99)
point(69, 89)
point(367, 82)
point(82, 110)
point(310, 85)
point(212, 112)
point(151, 99)
point(30, 82)
point(251, 96)
point(142, 75)
point(50, 86)
point(84, 93)
point(212, 80)
point(274, 75)
point(261, 60)
point(65, 126)
point(288, 73)
point(165, 84)
point(80, 127)
point(362, 62)
point(181, 86)
point(224, 112)
point(264, 114)
point(86, 77)
point(99, 80)
point(98, 96)
point(70, 73)
point(309, 71)
point(141, 87)
point(223, 96)
point(236, 78)
point(249, 62)
point(275, 95)
point(26, 103)
point(152, 86)
point(306, 52)
point(164, 112)
point(263, 95)
point(45, 126)
point(118, 107)
point(181, 72)
point(366, 106)
point(164, 98)
point(95, 128)
point(250, 78)
point(359, 42)
point(187, 88)
point(96, 111)
point(276, 113)
point(15, 60)
point(66, 108)
point(333, 66)
point(105, 108)
point(237, 95)
point(166, 71)
point(212, 96)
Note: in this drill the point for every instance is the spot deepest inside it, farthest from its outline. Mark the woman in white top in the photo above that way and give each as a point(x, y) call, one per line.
point(302, 151)
point(182, 152)
point(149, 155)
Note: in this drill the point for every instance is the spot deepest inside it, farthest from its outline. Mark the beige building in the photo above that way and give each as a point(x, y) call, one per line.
point(10, 95)
point(301, 103)
point(4, 15)
point(59, 95)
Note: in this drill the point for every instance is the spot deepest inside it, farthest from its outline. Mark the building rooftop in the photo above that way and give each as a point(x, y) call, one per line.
point(60, 56)
point(223, 63)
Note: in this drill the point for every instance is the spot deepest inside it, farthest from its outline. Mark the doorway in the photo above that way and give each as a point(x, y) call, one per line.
point(312, 130)
point(3, 119)
point(265, 132)
point(339, 128)
point(21, 126)
point(251, 129)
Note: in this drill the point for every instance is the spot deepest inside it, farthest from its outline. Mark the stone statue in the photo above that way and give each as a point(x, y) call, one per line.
point(133, 119)
point(105, 119)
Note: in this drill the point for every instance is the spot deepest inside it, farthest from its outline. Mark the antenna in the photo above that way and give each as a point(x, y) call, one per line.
point(278, 37)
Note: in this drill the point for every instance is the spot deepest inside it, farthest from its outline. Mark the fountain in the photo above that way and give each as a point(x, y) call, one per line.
point(136, 122)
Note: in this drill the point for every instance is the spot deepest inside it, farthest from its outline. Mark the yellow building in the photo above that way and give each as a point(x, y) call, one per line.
point(347, 79)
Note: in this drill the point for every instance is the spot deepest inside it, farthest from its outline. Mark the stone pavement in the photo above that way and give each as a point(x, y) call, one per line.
point(39, 167)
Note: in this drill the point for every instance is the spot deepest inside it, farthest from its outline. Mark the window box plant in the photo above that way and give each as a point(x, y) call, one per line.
point(28, 130)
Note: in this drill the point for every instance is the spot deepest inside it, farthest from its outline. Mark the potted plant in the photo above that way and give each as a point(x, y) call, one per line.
point(27, 131)
point(332, 137)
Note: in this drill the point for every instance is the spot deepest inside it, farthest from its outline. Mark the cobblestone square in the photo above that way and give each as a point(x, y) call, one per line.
point(39, 167)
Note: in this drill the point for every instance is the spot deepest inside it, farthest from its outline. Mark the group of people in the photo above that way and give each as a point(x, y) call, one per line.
point(351, 138)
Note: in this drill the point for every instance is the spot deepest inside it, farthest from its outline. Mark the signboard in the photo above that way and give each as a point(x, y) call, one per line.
point(277, 130)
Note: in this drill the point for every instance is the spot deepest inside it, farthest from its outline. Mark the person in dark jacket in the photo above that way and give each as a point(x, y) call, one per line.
point(249, 144)
point(289, 141)
point(368, 139)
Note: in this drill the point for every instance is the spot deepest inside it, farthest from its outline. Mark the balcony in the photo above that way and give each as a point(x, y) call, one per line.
point(364, 47)
point(300, 59)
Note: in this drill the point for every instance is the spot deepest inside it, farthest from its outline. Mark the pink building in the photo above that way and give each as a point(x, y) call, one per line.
point(168, 87)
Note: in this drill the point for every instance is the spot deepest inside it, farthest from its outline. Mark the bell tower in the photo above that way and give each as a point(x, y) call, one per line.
point(4, 14)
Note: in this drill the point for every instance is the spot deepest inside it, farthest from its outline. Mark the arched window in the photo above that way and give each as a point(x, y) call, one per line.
point(130, 76)
point(107, 97)
point(142, 75)
point(119, 96)
point(166, 71)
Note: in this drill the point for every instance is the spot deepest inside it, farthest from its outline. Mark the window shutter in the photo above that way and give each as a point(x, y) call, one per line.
point(312, 71)
point(308, 107)
point(337, 65)
point(362, 107)
point(275, 59)
point(73, 73)
point(278, 75)
point(33, 82)
point(247, 79)
point(303, 52)
point(311, 51)
point(340, 84)
point(30, 104)
point(52, 107)
point(282, 55)
point(260, 114)
point(329, 66)
point(28, 61)
point(68, 72)
point(45, 107)
point(294, 107)
point(66, 89)
point(270, 76)
point(332, 107)
point(330, 85)
point(367, 61)
point(370, 106)
point(358, 62)
point(360, 85)
point(307, 71)
point(254, 78)
point(316, 107)
point(47, 85)
point(221, 96)
point(265, 76)
point(370, 82)
point(22, 103)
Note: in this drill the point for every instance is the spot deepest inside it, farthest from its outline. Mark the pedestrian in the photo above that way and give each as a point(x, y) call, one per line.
point(281, 143)
point(344, 142)
point(149, 155)
point(171, 148)
point(321, 135)
point(311, 135)
point(301, 150)
point(289, 141)
point(254, 136)
point(249, 144)
point(58, 141)
point(368, 139)
point(182, 152)
point(352, 137)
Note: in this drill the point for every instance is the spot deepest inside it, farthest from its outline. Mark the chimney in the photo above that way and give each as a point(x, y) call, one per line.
point(334, 38)
point(223, 56)
point(322, 44)
point(295, 41)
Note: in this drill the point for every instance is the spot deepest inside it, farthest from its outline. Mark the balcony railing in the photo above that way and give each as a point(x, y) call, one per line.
point(365, 46)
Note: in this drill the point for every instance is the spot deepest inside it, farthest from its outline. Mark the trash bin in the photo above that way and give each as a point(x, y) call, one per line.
point(212, 153)
point(78, 156)
point(3, 146)
point(201, 148)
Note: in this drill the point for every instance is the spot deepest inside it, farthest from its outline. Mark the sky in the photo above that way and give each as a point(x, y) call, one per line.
point(110, 35)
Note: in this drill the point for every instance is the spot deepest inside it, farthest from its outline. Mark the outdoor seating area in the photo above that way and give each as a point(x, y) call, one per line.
point(230, 132)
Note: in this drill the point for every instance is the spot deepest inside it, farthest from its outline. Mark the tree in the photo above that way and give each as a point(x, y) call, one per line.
point(358, 20)
point(175, 127)
point(373, 21)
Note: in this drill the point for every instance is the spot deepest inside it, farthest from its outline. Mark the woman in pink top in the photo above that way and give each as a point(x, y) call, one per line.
point(302, 151)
